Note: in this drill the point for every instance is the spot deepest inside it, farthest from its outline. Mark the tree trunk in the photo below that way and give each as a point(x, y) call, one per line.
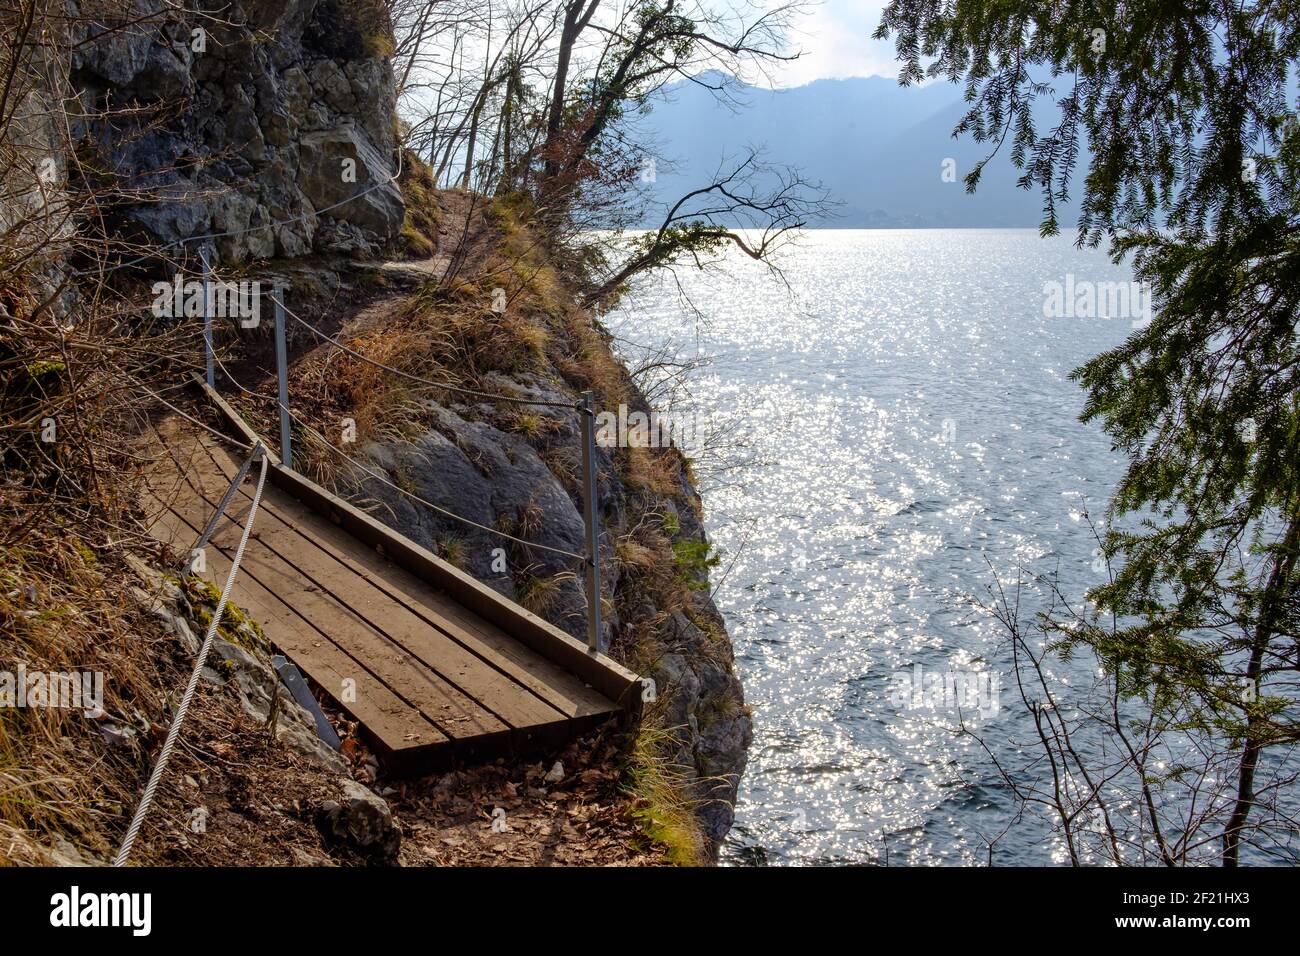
point(469, 146)
point(504, 182)
point(1265, 628)
point(575, 20)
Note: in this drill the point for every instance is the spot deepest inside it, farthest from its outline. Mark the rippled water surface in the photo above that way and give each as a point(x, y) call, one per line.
point(895, 430)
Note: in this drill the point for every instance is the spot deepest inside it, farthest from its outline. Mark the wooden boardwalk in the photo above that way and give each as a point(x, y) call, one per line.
point(435, 667)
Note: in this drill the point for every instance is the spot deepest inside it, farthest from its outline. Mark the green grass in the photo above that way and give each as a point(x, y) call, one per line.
point(692, 561)
point(527, 424)
point(236, 627)
point(661, 806)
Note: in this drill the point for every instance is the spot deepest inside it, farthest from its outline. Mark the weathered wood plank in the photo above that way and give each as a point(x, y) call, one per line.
point(445, 668)
point(599, 670)
point(492, 690)
point(454, 713)
point(396, 728)
point(544, 679)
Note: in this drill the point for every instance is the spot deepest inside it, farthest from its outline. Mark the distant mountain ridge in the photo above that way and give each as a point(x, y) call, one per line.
point(879, 148)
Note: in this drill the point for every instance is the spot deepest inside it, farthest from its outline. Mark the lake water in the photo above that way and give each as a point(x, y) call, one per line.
point(883, 437)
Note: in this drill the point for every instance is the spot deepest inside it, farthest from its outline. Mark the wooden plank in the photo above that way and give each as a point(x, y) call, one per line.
point(165, 480)
point(398, 729)
point(454, 713)
point(599, 670)
point(546, 680)
point(192, 481)
point(493, 691)
point(490, 689)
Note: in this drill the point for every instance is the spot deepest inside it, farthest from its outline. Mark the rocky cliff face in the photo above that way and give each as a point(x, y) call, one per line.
point(269, 124)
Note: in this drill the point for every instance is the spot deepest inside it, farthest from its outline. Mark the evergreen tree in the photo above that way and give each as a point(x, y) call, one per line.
point(1180, 113)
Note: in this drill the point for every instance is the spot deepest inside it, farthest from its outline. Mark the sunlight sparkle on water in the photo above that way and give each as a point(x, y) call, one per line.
point(891, 440)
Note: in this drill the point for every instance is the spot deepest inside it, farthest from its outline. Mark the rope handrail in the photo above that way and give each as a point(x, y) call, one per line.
point(590, 560)
point(491, 396)
point(173, 732)
point(380, 477)
point(428, 504)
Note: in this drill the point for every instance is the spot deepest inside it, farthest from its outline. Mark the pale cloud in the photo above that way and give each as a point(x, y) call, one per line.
point(835, 38)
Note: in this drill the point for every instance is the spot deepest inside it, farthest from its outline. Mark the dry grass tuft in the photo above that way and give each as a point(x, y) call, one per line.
point(651, 470)
point(69, 608)
point(420, 229)
point(540, 594)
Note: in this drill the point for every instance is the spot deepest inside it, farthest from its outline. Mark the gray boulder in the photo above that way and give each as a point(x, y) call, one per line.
point(340, 168)
point(495, 479)
point(361, 822)
point(263, 121)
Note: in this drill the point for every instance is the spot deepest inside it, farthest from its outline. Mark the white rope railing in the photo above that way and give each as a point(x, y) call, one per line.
point(584, 409)
point(173, 732)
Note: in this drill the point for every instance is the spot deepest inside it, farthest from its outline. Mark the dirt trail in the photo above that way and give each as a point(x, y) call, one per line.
point(564, 808)
point(567, 810)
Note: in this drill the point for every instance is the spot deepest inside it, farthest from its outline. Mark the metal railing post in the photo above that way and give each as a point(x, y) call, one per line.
point(209, 355)
point(590, 520)
point(282, 374)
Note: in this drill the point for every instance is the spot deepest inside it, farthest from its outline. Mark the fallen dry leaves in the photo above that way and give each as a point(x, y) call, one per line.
point(508, 814)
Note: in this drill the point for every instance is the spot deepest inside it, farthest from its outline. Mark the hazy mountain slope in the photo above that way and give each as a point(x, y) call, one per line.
point(878, 147)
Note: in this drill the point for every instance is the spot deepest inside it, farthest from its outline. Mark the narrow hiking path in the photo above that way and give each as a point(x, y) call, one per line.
point(570, 804)
point(436, 668)
point(567, 806)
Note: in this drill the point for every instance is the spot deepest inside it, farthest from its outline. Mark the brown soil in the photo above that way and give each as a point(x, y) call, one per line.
point(261, 801)
point(257, 800)
point(509, 815)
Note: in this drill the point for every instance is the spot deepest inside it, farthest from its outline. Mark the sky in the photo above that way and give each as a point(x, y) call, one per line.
point(835, 37)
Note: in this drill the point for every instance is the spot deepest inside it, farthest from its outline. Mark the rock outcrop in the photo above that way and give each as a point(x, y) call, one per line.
point(362, 823)
point(359, 822)
point(269, 126)
point(241, 664)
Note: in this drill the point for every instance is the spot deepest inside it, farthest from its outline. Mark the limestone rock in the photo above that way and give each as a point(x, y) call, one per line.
point(465, 464)
point(270, 115)
point(63, 853)
point(256, 683)
point(362, 822)
point(331, 84)
point(340, 168)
